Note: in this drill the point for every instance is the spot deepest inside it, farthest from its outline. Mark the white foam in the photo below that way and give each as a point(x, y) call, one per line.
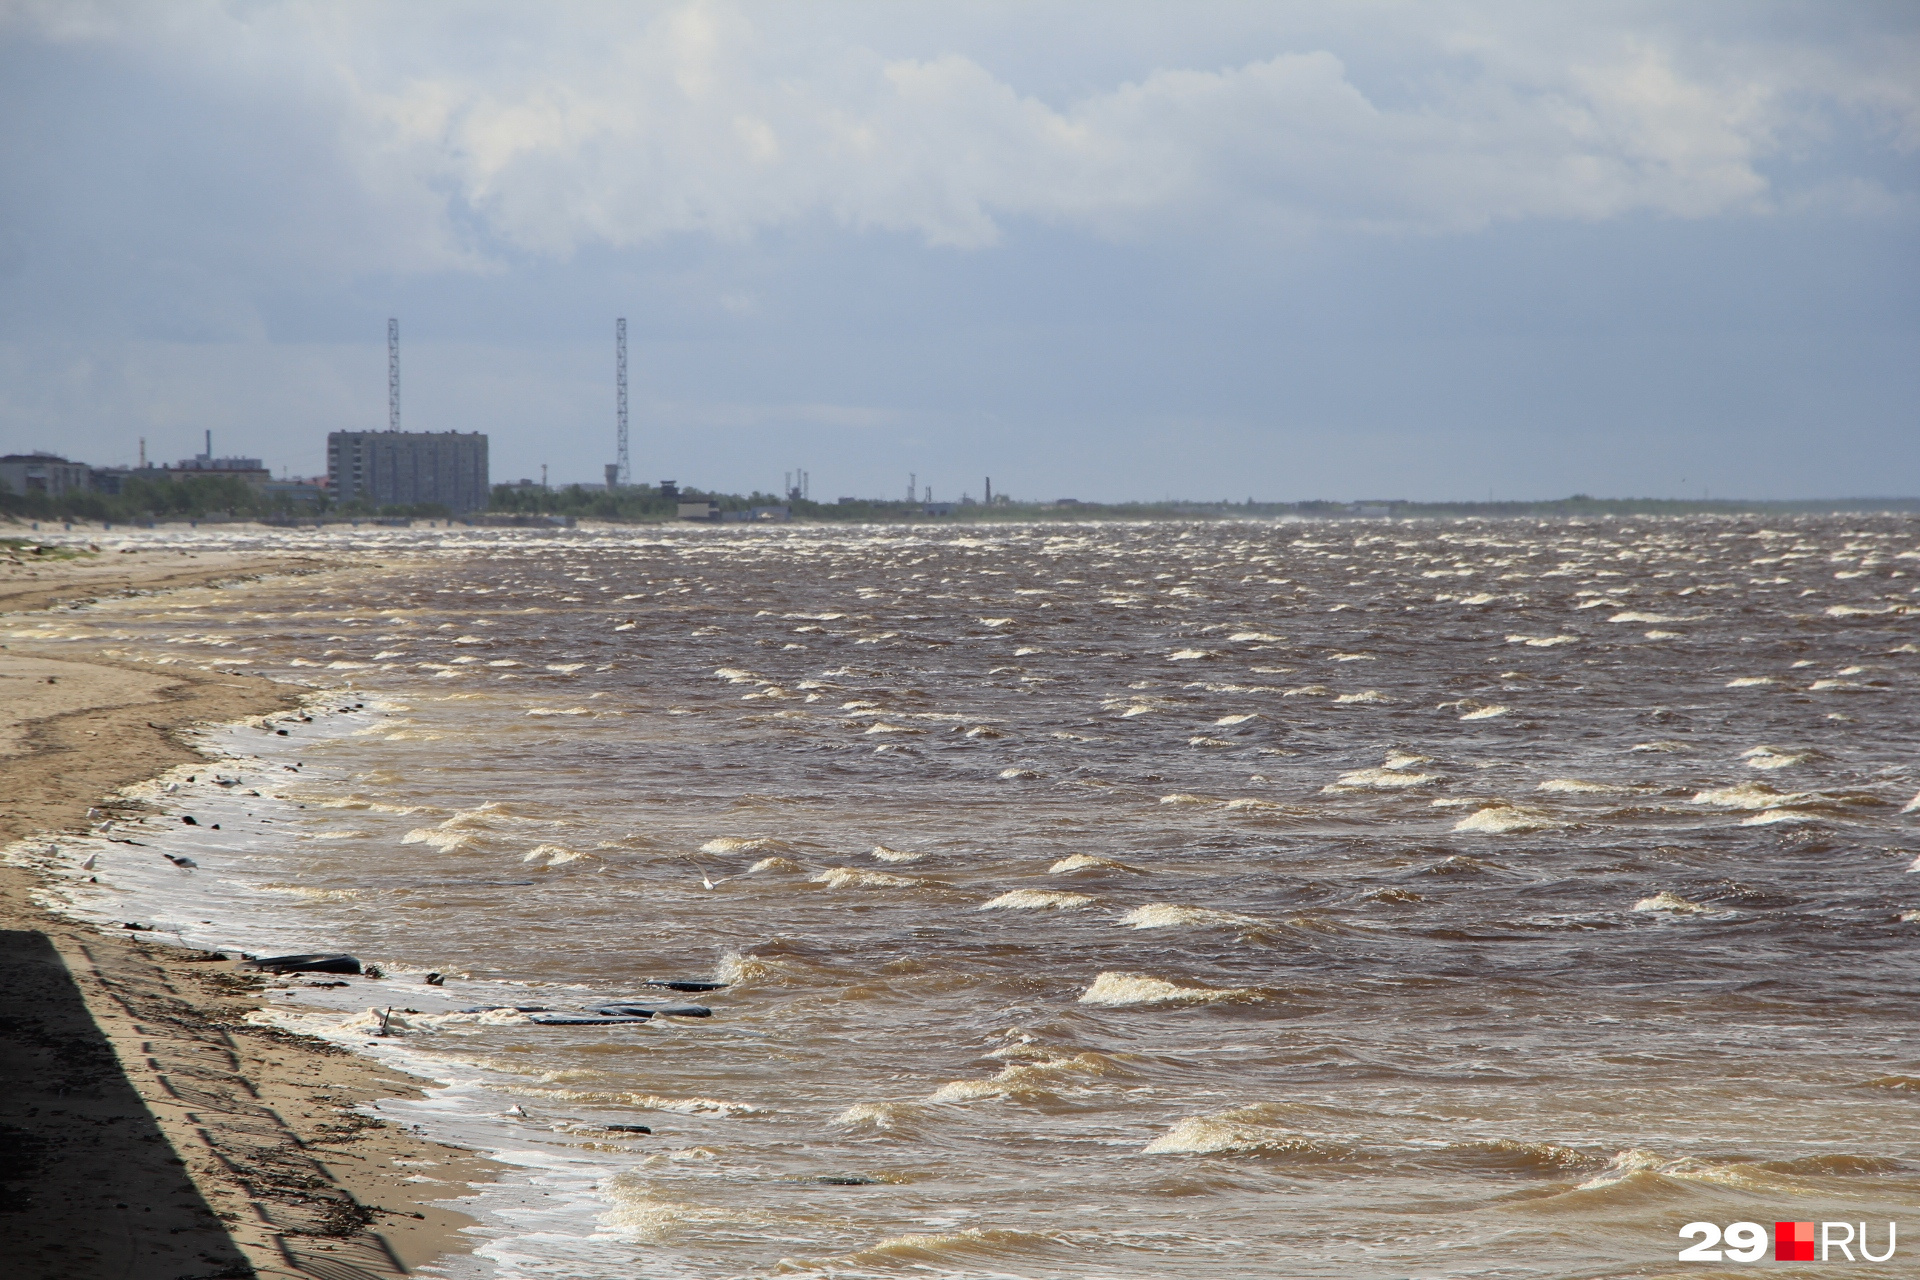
point(1169, 915)
point(853, 878)
point(1750, 795)
point(1503, 818)
point(1120, 990)
point(1672, 902)
point(1382, 779)
point(1088, 862)
point(1037, 900)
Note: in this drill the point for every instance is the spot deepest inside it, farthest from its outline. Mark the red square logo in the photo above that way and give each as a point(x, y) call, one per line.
point(1793, 1242)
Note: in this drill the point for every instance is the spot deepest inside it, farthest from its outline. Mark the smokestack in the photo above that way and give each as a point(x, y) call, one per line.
point(209, 444)
point(989, 490)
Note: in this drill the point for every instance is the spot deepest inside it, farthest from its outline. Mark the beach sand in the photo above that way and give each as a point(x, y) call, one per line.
point(145, 1129)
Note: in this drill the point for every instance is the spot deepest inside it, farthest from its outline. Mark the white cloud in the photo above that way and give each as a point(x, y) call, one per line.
point(578, 126)
point(685, 129)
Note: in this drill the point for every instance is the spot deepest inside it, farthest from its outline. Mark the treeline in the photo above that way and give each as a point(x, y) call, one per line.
point(139, 500)
point(202, 497)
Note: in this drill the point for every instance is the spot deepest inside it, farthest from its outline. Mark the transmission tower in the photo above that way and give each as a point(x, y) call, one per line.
point(393, 375)
point(620, 394)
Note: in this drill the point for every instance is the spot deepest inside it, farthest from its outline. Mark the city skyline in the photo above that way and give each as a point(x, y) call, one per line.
point(1280, 251)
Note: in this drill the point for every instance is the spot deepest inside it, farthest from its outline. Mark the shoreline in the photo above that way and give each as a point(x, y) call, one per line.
point(148, 1129)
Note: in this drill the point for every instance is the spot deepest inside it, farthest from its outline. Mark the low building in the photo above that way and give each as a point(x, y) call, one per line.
point(296, 491)
point(205, 466)
point(702, 509)
point(43, 473)
point(409, 468)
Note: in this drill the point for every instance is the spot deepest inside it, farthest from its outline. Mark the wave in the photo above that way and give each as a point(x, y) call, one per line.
point(885, 1116)
point(1753, 795)
point(1088, 862)
point(1241, 1132)
point(1381, 779)
point(1501, 819)
point(555, 854)
point(1118, 990)
point(1035, 1081)
point(1673, 902)
point(742, 844)
point(1576, 786)
point(936, 1252)
point(885, 854)
point(1168, 915)
point(853, 878)
point(1036, 900)
point(445, 841)
point(309, 892)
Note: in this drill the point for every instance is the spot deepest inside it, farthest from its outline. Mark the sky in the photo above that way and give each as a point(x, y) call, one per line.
point(1101, 250)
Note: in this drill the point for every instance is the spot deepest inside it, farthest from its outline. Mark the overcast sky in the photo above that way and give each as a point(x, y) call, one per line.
point(1100, 250)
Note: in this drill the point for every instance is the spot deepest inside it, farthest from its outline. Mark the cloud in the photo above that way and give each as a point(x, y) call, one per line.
point(469, 132)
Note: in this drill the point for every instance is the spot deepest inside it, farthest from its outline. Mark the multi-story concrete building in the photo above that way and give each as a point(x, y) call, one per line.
point(42, 473)
point(401, 468)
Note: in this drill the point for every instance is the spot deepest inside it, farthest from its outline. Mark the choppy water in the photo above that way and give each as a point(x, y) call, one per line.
point(1478, 899)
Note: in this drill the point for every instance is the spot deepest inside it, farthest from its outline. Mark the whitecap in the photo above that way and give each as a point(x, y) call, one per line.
point(1750, 682)
point(739, 844)
point(1227, 1133)
point(1382, 779)
point(1182, 797)
point(1120, 990)
point(1750, 795)
point(1576, 786)
point(885, 854)
point(1673, 902)
point(1502, 818)
point(1169, 915)
point(1087, 861)
point(851, 878)
point(1037, 900)
point(445, 841)
point(1486, 712)
point(1365, 695)
point(1632, 615)
point(775, 863)
point(1239, 719)
point(555, 854)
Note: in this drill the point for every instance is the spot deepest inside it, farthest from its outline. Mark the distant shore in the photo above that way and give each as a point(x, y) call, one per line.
point(151, 1131)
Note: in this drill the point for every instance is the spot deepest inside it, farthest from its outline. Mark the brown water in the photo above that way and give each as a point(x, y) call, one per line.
point(1315, 899)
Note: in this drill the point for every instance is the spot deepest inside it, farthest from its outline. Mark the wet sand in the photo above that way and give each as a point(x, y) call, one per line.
point(146, 1129)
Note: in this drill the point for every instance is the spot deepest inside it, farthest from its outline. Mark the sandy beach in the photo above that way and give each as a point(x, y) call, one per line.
point(150, 1131)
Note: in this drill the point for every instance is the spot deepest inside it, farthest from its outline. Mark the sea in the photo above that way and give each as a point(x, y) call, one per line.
point(1215, 899)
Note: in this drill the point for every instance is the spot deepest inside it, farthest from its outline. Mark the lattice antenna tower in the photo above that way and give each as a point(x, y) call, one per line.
point(393, 375)
point(620, 395)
